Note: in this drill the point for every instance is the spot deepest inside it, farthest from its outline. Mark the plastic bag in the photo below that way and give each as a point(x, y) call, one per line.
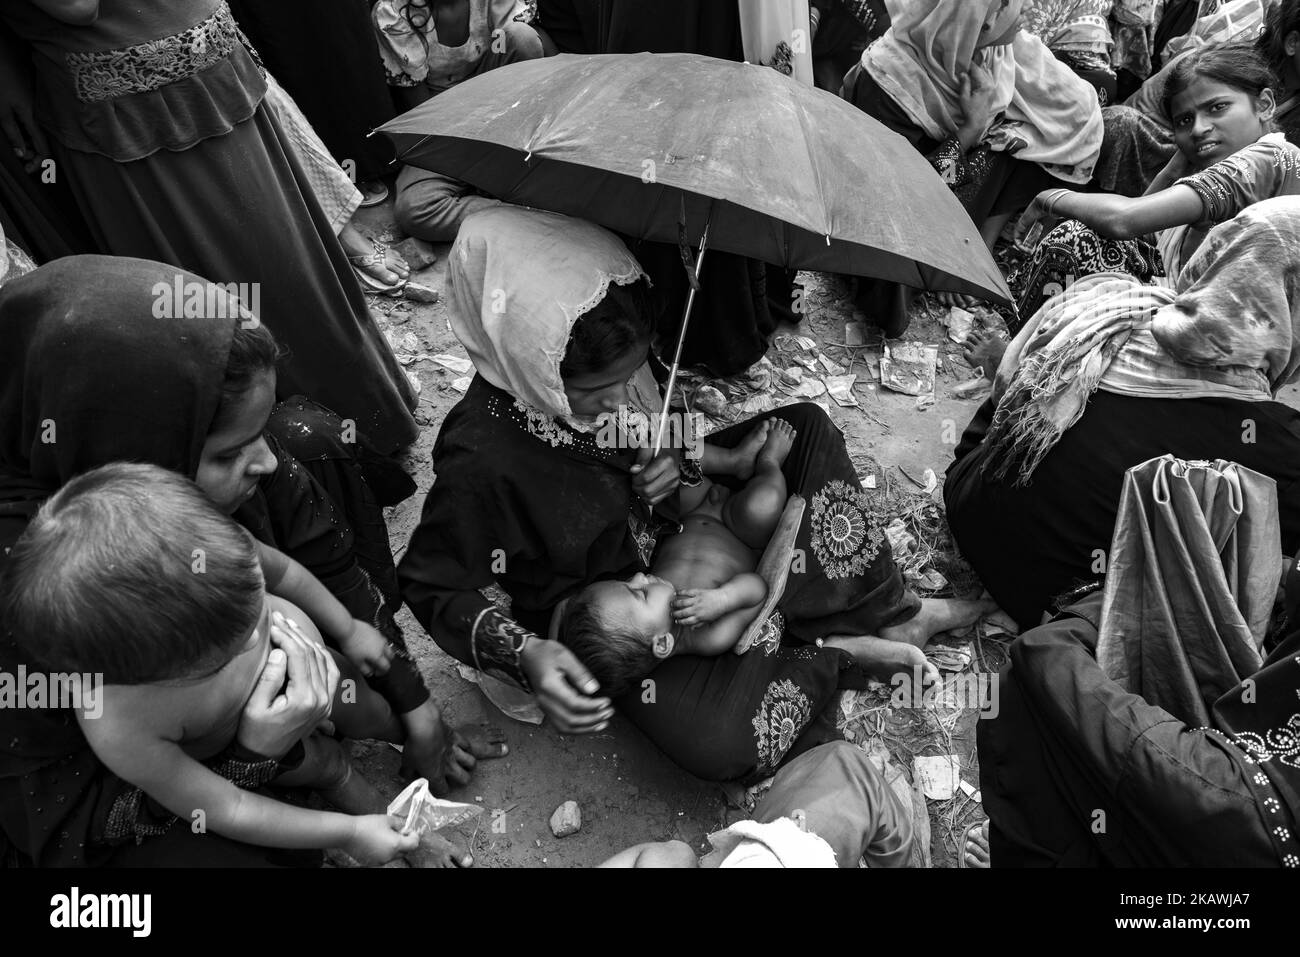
point(421, 811)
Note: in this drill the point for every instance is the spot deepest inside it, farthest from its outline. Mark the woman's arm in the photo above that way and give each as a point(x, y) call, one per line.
point(1125, 217)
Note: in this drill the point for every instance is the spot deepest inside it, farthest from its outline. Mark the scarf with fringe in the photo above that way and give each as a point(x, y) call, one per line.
point(1228, 329)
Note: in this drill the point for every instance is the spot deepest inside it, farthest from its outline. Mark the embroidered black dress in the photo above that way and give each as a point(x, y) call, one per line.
point(156, 120)
point(542, 510)
point(1077, 772)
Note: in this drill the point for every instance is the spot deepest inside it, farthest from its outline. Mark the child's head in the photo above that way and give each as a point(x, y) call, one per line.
point(621, 630)
point(235, 453)
point(1220, 100)
point(131, 572)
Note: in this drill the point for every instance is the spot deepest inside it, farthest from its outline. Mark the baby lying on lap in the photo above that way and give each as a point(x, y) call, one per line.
point(703, 594)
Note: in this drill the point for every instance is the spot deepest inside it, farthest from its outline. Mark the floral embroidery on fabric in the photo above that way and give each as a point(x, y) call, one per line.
point(1282, 743)
point(845, 538)
point(106, 74)
point(542, 426)
point(781, 716)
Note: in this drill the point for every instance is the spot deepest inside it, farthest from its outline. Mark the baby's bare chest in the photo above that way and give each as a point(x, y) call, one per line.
point(704, 554)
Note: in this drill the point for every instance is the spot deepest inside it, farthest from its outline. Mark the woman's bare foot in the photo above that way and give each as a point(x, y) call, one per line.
point(938, 615)
point(883, 659)
point(436, 851)
point(984, 351)
point(950, 300)
point(780, 439)
point(747, 451)
point(377, 260)
point(975, 852)
point(483, 741)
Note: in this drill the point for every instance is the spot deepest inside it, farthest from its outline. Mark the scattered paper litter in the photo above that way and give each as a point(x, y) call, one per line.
point(422, 812)
point(792, 375)
point(461, 384)
point(402, 341)
point(971, 792)
point(959, 323)
point(855, 333)
point(930, 580)
point(939, 775)
point(840, 388)
point(416, 384)
point(869, 481)
point(453, 363)
point(901, 541)
point(757, 404)
point(809, 388)
point(832, 367)
point(924, 402)
point(909, 367)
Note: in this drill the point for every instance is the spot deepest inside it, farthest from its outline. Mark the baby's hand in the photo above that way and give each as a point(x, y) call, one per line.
point(378, 839)
point(698, 606)
point(366, 648)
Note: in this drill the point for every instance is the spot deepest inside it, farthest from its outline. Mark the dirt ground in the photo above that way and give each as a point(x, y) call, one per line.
point(627, 790)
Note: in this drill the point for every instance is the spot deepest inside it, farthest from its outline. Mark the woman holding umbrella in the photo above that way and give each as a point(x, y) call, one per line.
point(533, 496)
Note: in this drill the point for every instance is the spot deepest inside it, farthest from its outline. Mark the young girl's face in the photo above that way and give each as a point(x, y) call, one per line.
point(1213, 120)
point(236, 456)
point(593, 393)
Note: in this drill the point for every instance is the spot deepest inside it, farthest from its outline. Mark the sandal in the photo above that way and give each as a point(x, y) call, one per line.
point(365, 266)
point(373, 192)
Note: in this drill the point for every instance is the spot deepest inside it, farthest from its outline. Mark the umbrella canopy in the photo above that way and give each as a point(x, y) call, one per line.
point(780, 171)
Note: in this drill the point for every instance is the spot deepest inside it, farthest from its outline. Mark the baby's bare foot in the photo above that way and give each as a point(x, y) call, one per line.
point(747, 451)
point(984, 350)
point(938, 615)
point(780, 439)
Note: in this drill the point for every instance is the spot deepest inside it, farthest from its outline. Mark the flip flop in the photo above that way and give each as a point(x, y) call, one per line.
point(372, 193)
point(376, 259)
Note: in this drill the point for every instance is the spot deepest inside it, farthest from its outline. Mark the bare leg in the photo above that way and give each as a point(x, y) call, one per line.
point(359, 711)
point(753, 512)
point(993, 227)
point(883, 659)
point(938, 615)
point(744, 454)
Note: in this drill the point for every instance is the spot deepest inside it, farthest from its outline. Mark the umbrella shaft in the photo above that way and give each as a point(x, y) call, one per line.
point(681, 341)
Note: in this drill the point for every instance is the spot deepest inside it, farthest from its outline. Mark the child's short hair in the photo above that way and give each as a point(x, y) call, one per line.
point(617, 658)
point(131, 572)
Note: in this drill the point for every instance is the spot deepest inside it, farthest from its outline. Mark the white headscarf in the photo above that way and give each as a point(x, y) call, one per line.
point(1044, 113)
point(518, 280)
